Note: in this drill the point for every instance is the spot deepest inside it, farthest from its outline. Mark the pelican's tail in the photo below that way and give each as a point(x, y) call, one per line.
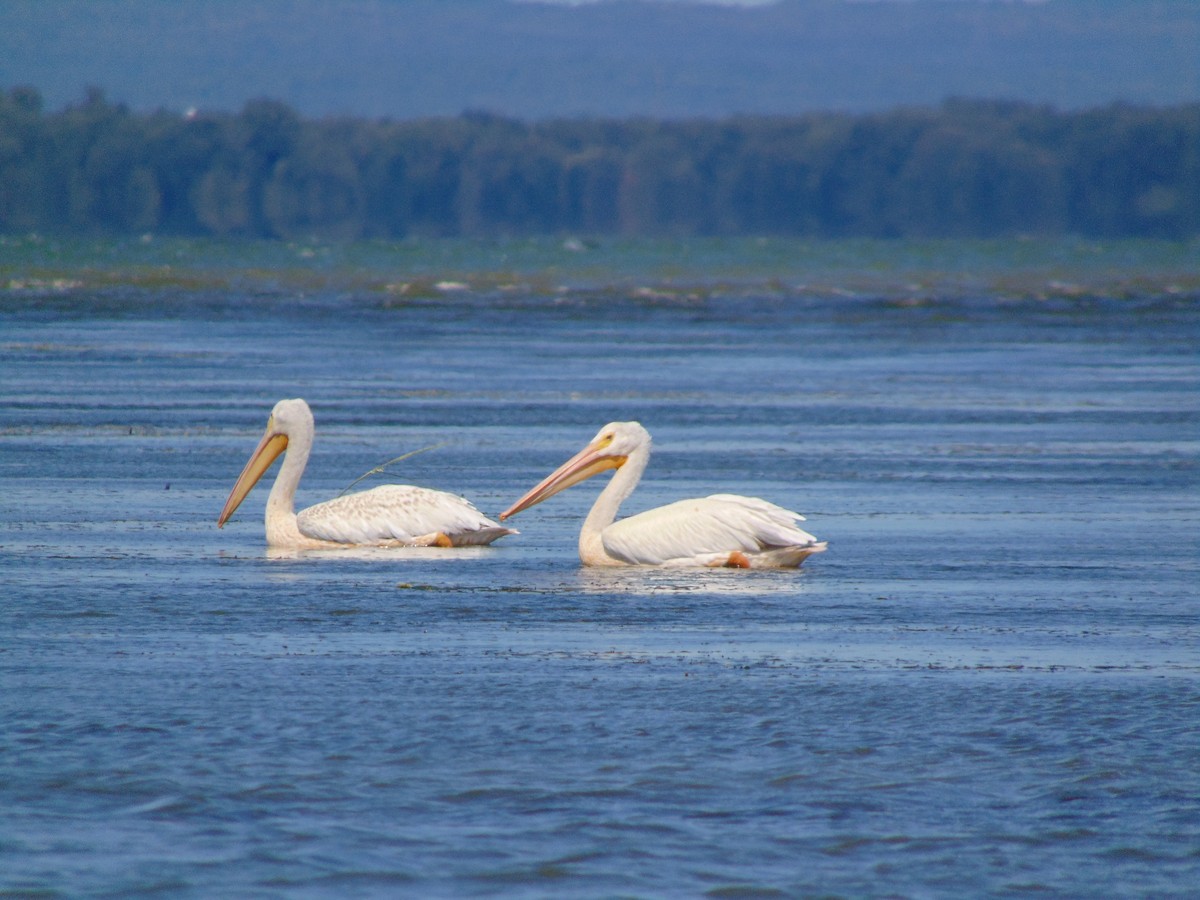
point(480, 536)
point(785, 557)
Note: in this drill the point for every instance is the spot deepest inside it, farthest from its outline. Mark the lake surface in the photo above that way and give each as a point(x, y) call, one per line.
point(989, 684)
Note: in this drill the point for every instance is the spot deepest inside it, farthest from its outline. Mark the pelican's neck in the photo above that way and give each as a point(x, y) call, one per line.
point(281, 506)
point(604, 510)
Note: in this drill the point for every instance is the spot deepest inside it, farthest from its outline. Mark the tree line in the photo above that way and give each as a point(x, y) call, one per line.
point(965, 169)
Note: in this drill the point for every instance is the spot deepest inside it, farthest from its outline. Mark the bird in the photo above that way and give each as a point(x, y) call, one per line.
point(719, 530)
point(391, 515)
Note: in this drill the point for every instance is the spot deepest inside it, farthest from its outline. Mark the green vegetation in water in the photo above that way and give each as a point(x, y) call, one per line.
point(650, 271)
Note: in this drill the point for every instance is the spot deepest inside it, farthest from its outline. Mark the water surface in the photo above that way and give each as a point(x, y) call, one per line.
point(990, 683)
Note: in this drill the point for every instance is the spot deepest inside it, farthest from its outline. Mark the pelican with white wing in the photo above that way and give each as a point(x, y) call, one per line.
point(719, 530)
point(391, 515)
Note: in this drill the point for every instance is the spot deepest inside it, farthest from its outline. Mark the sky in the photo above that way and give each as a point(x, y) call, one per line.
point(536, 59)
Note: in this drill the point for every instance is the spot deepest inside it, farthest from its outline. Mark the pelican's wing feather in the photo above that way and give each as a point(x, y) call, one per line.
point(395, 512)
point(718, 524)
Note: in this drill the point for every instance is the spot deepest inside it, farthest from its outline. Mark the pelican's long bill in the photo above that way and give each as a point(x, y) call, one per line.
point(272, 444)
point(589, 461)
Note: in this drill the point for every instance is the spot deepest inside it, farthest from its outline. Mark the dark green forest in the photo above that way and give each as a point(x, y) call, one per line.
point(964, 169)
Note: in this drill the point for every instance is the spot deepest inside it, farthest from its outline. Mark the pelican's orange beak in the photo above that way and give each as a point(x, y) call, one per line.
point(272, 444)
point(591, 460)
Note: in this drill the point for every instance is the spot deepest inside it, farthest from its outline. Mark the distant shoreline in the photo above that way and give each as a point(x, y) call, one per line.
point(966, 169)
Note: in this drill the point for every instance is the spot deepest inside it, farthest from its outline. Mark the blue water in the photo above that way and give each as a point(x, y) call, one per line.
point(989, 685)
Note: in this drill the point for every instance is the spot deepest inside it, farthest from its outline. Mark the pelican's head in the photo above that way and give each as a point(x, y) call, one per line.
point(289, 417)
point(609, 449)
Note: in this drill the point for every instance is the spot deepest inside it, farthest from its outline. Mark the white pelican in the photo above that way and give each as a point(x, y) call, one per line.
point(391, 515)
point(720, 530)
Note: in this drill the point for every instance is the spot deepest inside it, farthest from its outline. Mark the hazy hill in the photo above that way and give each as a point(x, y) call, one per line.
point(407, 58)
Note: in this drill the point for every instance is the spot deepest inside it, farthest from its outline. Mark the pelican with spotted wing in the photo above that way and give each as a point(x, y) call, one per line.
point(391, 515)
point(719, 530)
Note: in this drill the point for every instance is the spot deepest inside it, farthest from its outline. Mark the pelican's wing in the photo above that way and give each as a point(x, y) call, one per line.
point(697, 531)
point(398, 512)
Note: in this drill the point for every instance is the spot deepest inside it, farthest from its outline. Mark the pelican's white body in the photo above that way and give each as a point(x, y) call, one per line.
point(388, 515)
point(702, 532)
